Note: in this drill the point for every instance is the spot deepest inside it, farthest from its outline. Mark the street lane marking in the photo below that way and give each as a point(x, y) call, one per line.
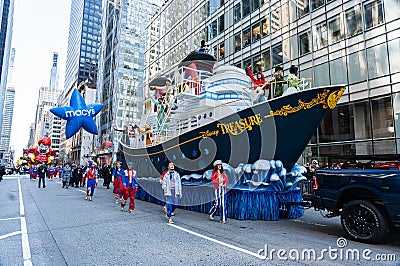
point(217, 241)
point(7, 219)
point(21, 202)
point(26, 250)
point(10, 234)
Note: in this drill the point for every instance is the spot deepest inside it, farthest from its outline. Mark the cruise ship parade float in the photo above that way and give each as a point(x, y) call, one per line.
point(208, 112)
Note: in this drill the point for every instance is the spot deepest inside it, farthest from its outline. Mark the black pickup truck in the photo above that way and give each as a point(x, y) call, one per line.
point(368, 201)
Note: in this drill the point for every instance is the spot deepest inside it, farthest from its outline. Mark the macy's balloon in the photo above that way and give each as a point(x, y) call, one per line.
point(78, 115)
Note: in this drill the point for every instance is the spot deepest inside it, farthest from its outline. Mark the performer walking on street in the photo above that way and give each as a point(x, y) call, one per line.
point(130, 187)
point(220, 181)
point(117, 177)
point(42, 172)
point(172, 187)
point(66, 175)
point(91, 174)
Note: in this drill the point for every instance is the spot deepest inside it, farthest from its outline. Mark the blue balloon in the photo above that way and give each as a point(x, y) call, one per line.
point(78, 114)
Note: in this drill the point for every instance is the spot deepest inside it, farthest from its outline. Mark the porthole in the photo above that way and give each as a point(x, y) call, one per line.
point(210, 115)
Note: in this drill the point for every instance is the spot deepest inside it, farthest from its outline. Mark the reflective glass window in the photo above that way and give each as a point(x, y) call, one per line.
point(246, 37)
point(396, 111)
point(357, 67)
point(394, 55)
point(392, 10)
point(320, 36)
point(373, 14)
point(265, 26)
point(338, 73)
point(221, 51)
point(255, 4)
point(335, 29)
point(304, 43)
point(377, 60)
point(276, 20)
point(257, 63)
point(238, 42)
point(321, 75)
point(256, 34)
point(246, 7)
point(277, 56)
point(266, 60)
point(353, 21)
point(303, 7)
point(221, 24)
point(385, 147)
point(382, 117)
point(317, 3)
point(237, 13)
point(337, 125)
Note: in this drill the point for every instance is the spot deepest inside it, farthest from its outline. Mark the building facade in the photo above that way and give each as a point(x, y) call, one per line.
point(5, 149)
point(54, 73)
point(121, 67)
point(6, 18)
point(356, 43)
point(82, 59)
point(47, 99)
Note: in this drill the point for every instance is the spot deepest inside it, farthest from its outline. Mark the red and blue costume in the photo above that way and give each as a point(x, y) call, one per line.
point(91, 174)
point(118, 174)
point(129, 188)
point(33, 172)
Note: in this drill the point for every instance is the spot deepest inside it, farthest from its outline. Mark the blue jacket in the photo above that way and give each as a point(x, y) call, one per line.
point(125, 180)
point(118, 173)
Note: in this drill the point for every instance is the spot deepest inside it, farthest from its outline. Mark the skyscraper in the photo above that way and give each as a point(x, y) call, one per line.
point(121, 66)
point(6, 15)
point(54, 73)
point(82, 57)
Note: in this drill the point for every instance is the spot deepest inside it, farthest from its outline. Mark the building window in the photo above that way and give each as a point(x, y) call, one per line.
point(277, 56)
point(255, 4)
point(221, 24)
point(237, 13)
point(338, 125)
point(212, 30)
point(238, 42)
point(382, 117)
point(394, 55)
point(257, 64)
point(255, 30)
point(317, 3)
point(247, 62)
point(246, 37)
point(265, 26)
point(320, 36)
point(321, 75)
point(357, 67)
point(276, 20)
point(396, 111)
point(392, 10)
point(373, 14)
point(304, 43)
point(266, 60)
point(335, 30)
point(246, 7)
point(303, 7)
point(221, 51)
point(377, 60)
point(338, 71)
point(353, 21)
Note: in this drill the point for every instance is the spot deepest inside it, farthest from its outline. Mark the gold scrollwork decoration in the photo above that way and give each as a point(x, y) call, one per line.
point(334, 98)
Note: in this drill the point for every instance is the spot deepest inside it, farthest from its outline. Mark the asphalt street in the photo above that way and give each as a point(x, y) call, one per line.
point(56, 226)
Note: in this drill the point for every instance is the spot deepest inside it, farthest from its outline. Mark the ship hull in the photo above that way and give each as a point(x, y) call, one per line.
point(278, 129)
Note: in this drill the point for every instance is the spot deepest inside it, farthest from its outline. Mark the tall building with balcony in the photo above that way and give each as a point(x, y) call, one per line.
point(356, 43)
point(81, 65)
point(6, 18)
point(121, 66)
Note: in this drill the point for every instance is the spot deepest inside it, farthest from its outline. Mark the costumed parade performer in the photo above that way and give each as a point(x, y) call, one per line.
point(260, 85)
point(42, 152)
point(220, 182)
point(117, 181)
point(172, 187)
point(91, 174)
point(33, 172)
point(129, 188)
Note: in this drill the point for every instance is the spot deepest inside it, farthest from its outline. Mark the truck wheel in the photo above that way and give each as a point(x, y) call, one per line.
point(364, 221)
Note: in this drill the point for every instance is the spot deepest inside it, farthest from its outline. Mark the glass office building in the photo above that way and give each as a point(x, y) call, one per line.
point(121, 66)
point(82, 60)
point(356, 43)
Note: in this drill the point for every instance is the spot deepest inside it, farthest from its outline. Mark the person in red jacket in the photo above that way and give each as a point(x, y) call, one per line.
point(220, 182)
point(259, 82)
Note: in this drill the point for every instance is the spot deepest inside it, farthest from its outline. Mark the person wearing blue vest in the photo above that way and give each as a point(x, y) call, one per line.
point(172, 187)
point(117, 177)
point(129, 188)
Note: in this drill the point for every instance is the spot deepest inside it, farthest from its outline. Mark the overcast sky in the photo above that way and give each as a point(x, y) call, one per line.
point(40, 28)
